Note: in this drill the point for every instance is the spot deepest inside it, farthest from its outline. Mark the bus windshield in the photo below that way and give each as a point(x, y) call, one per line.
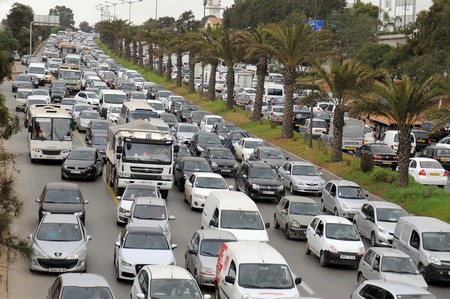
point(56, 129)
point(69, 75)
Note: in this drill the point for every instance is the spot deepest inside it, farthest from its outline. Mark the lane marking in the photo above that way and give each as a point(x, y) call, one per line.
point(307, 288)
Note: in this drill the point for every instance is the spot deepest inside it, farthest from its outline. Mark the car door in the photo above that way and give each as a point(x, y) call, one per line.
point(285, 218)
point(317, 238)
point(374, 271)
point(329, 198)
point(188, 187)
point(310, 231)
point(98, 162)
point(278, 215)
point(192, 252)
point(284, 173)
point(325, 196)
point(362, 221)
point(414, 245)
point(242, 176)
point(140, 285)
point(229, 288)
point(365, 266)
point(412, 170)
point(193, 145)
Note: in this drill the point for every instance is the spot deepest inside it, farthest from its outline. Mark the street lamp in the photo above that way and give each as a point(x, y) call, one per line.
point(103, 11)
point(129, 8)
point(156, 11)
point(203, 64)
point(114, 4)
point(311, 115)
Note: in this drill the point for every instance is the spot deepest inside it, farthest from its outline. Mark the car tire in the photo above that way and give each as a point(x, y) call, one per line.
point(336, 212)
point(307, 249)
point(373, 240)
point(191, 205)
point(287, 233)
point(360, 278)
point(322, 204)
point(291, 189)
point(322, 260)
point(276, 225)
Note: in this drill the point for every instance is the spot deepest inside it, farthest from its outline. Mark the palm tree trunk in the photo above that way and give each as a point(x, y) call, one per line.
point(287, 131)
point(179, 66)
point(160, 64)
point(230, 87)
point(150, 56)
point(141, 54)
point(169, 67)
point(404, 149)
point(338, 129)
point(191, 72)
point(128, 50)
point(261, 70)
point(212, 82)
point(135, 51)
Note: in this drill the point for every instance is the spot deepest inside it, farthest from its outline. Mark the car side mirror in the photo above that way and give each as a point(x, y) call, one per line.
point(88, 238)
point(244, 176)
point(283, 211)
point(298, 280)
point(171, 217)
point(37, 200)
point(174, 246)
point(231, 187)
point(229, 279)
point(206, 296)
point(85, 201)
point(117, 243)
point(192, 251)
point(376, 268)
point(267, 225)
point(288, 172)
point(30, 236)
point(187, 142)
point(319, 232)
point(213, 223)
point(119, 149)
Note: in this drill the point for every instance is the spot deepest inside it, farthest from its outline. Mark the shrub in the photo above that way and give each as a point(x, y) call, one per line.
point(366, 162)
point(383, 175)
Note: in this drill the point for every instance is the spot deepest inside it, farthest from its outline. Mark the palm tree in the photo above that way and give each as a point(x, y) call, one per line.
point(255, 42)
point(346, 80)
point(193, 44)
point(209, 55)
point(290, 44)
point(402, 102)
point(178, 47)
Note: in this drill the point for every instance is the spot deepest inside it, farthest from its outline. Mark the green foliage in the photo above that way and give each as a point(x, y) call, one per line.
point(366, 162)
point(186, 22)
point(18, 23)
point(5, 67)
point(164, 23)
point(374, 54)
point(65, 14)
point(85, 27)
point(366, 8)
point(9, 123)
point(383, 175)
point(7, 42)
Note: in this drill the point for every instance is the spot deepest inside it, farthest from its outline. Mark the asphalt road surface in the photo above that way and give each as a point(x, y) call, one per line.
point(329, 282)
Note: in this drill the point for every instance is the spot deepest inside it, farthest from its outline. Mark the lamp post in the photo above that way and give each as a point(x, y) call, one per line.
point(103, 10)
point(314, 94)
point(203, 64)
point(129, 7)
point(114, 4)
point(156, 11)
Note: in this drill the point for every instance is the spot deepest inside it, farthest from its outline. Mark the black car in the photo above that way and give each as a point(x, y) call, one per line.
point(222, 129)
point(82, 163)
point(185, 166)
point(127, 87)
point(422, 139)
point(23, 81)
point(62, 198)
point(185, 111)
point(151, 93)
point(201, 140)
point(234, 136)
point(96, 126)
point(299, 118)
point(98, 141)
point(270, 155)
point(259, 180)
point(58, 90)
point(440, 154)
point(382, 154)
point(169, 118)
point(196, 116)
point(221, 160)
point(176, 105)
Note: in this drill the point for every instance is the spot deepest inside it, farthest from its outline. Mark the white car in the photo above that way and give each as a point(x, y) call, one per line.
point(334, 240)
point(157, 106)
point(444, 142)
point(43, 93)
point(184, 132)
point(376, 220)
point(88, 97)
point(138, 82)
point(389, 289)
point(428, 171)
point(112, 115)
point(131, 192)
point(209, 121)
point(369, 135)
point(199, 185)
point(167, 99)
point(139, 245)
point(245, 146)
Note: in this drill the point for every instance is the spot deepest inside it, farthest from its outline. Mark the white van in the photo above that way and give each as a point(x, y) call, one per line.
point(391, 138)
point(253, 270)
point(427, 241)
point(135, 110)
point(110, 97)
point(235, 212)
point(37, 69)
point(273, 90)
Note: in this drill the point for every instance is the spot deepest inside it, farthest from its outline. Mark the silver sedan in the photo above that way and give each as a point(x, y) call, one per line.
point(301, 177)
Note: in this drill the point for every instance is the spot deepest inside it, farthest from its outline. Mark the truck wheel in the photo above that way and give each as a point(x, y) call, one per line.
point(164, 193)
point(116, 185)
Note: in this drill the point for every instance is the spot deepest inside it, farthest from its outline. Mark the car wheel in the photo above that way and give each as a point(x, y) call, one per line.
point(275, 222)
point(181, 185)
point(196, 276)
point(191, 205)
point(336, 212)
point(307, 249)
point(373, 240)
point(236, 185)
point(287, 233)
point(322, 260)
point(322, 204)
point(291, 189)
point(360, 279)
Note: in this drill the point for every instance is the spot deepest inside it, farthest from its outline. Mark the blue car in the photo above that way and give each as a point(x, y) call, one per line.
point(234, 136)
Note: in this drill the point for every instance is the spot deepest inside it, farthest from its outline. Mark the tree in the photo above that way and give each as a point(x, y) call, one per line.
point(402, 102)
point(192, 44)
point(85, 27)
point(18, 23)
point(211, 36)
point(65, 14)
point(374, 54)
point(347, 80)
point(292, 45)
point(186, 22)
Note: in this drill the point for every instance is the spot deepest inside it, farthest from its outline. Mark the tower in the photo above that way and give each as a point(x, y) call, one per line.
point(213, 7)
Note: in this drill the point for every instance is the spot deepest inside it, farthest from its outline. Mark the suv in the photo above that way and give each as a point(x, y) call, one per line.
point(259, 180)
point(422, 139)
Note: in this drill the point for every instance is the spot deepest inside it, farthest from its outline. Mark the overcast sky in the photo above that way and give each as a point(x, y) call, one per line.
point(84, 10)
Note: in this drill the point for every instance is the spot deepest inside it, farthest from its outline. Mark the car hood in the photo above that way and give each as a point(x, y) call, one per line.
point(249, 234)
point(354, 204)
point(147, 256)
point(205, 191)
point(346, 246)
point(59, 250)
point(307, 179)
point(302, 219)
point(224, 162)
point(208, 261)
point(101, 148)
point(205, 145)
point(275, 162)
point(98, 131)
point(161, 223)
point(388, 226)
point(126, 204)
point(412, 279)
point(265, 182)
point(186, 135)
point(78, 163)
point(62, 208)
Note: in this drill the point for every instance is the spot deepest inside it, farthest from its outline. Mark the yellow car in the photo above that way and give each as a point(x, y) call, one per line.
point(48, 76)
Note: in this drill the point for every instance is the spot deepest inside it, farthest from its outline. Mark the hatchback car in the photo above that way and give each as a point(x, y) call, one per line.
point(293, 214)
point(157, 281)
point(98, 141)
point(196, 116)
point(319, 127)
point(89, 98)
point(209, 121)
point(245, 146)
point(59, 244)
point(85, 117)
point(438, 153)
point(388, 289)
point(258, 180)
point(62, 198)
point(334, 240)
point(82, 163)
point(382, 154)
point(138, 245)
point(270, 155)
point(80, 285)
point(343, 198)
point(202, 140)
point(96, 126)
point(77, 108)
point(221, 160)
point(428, 171)
point(131, 192)
point(389, 264)
point(376, 220)
point(183, 132)
point(151, 211)
point(222, 129)
point(185, 166)
point(301, 177)
point(198, 186)
point(202, 252)
point(232, 137)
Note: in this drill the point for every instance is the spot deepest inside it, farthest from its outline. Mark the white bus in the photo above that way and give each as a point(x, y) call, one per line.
point(49, 133)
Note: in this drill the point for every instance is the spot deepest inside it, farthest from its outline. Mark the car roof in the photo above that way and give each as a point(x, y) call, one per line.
point(384, 204)
point(60, 218)
point(207, 175)
point(218, 149)
point(428, 224)
point(190, 158)
point(334, 219)
point(304, 199)
point(387, 251)
point(150, 200)
point(268, 148)
point(141, 186)
point(424, 159)
point(83, 280)
point(84, 149)
point(168, 272)
point(250, 138)
point(235, 200)
point(397, 288)
point(301, 163)
point(256, 252)
point(344, 183)
point(258, 164)
point(61, 186)
point(216, 234)
point(141, 228)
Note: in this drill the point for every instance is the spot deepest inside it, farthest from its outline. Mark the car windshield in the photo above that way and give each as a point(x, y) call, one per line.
point(142, 114)
point(352, 192)
point(211, 247)
point(403, 265)
point(59, 232)
point(390, 215)
point(213, 120)
point(225, 128)
point(23, 94)
point(59, 89)
point(253, 144)
point(90, 115)
point(197, 117)
point(265, 276)
point(40, 92)
point(443, 152)
point(168, 117)
point(307, 170)
point(319, 124)
point(81, 107)
point(211, 183)
point(62, 196)
point(188, 129)
point(343, 232)
point(156, 106)
point(272, 154)
point(197, 166)
point(430, 165)
point(68, 102)
point(221, 154)
point(148, 153)
point(304, 208)
point(237, 136)
point(70, 292)
point(146, 241)
point(278, 109)
point(209, 139)
point(149, 212)
point(165, 94)
point(263, 173)
point(135, 192)
point(99, 140)
point(233, 219)
point(99, 125)
point(81, 155)
point(171, 288)
point(138, 96)
point(436, 241)
point(115, 109)
point(384, 149)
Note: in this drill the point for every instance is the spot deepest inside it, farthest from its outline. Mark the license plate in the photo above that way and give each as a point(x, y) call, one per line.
point(350, 148)
point(318, 131)
point(421, 141)
point(57, 270)
point(297, 125)
point(226, 170)
point(76, 171)
point(268, 192)
point(387, 162)
point(434, 174)
point(445, 159)
point(347, 257)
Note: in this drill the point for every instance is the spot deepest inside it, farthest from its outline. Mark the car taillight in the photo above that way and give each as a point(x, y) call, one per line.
point(422, 172)
point(272, 114)
point(376, 157)
point(429, 140)
point(445, 173)
point(363, 142)
point(396, 158)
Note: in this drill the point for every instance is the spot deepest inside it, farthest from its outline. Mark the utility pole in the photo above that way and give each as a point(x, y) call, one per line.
point(314, 94)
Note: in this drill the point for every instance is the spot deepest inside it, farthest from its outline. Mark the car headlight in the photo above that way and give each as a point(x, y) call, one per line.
point(124, 174)
point(37, 252)
point(206, 270)
point(299, 183)
point(200, 148)
point(434, 260)
point(236, 165)
point(198, 196)
point(382, 230)
point(126, 263)
point(122, 210)
point(345, 206)
point(280, 188)
point(332, 248)
point(246, 296)
point(214, 164)
point(255, 187)
point(64, 166)
point(295, 224)
point(166, 229)
point(166, 177)
point(89, 168)
point(78, 254)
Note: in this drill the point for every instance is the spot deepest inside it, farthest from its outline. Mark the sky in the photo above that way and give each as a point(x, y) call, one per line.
point(84, 10)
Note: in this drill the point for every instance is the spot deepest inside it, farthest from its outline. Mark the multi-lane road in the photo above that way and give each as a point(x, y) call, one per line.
point(329, 282)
